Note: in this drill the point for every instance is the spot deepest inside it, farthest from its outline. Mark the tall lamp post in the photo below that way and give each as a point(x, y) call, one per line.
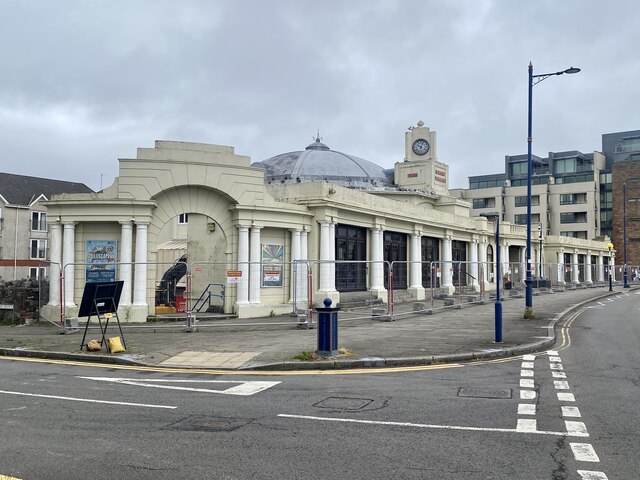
point(498, 306)
point(610, 247)
point(534, 80)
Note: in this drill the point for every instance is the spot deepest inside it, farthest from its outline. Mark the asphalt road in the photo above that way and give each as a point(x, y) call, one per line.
point(491, 420)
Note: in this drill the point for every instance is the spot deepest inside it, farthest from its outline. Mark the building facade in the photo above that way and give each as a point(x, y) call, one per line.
point(257, 227)
point(24, 224)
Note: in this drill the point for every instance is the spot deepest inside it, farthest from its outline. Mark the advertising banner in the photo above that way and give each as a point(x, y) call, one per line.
point(272, 268)
point(101, 260)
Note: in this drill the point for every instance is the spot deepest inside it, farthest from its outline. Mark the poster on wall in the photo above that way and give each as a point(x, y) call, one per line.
point(272, 267)
point(101, 260)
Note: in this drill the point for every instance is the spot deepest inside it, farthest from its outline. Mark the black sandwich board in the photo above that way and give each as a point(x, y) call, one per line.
point(101, 299)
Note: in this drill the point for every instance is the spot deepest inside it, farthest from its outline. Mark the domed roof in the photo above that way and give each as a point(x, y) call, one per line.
point(318, 163)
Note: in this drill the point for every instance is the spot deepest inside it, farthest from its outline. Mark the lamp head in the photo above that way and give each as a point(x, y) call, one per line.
point(609, 246)
point(571, 70)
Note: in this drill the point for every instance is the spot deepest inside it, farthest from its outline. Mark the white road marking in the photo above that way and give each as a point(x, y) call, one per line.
point(610, 299)
point(422, 425)
point(570, 412)
point(555, 359)
point(575, 427)
point(561, 385)
point(528, 358)
point(526, 425)
point(595, 306)
point(566, 397)
point(589, 475)
point(526, 383)
point(552, 352)
point(526, 373)
point(559, 375)
point(526, 409)
point(556, 366)
point(584, 452)
point(600, 303)
point(243, 388)
point(526, 365)
point(527, 394)
point(88, 400)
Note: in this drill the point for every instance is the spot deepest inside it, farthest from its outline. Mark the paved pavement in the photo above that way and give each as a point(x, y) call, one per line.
point(449, 335)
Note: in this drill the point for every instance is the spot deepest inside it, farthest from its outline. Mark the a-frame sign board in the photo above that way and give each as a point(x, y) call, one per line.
point(101, 299)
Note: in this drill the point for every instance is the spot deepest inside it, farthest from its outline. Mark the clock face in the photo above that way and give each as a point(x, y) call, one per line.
point(420, 146)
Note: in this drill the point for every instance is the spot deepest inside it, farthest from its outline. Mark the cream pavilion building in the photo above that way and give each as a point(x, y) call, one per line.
point(247, 227)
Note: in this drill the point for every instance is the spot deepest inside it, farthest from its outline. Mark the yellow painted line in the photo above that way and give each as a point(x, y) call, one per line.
point(7, 477)
point(352, 371)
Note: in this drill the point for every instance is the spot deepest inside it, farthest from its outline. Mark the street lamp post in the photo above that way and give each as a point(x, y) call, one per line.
point(498, 306)
point(624, 233)
point(610, 247)
point(534, 80)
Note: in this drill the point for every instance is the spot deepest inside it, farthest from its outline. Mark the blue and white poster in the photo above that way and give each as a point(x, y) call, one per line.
point(101, 260)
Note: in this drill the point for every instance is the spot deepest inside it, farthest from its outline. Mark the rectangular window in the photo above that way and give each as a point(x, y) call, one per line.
point(572, 198)
point(573, 217)
point(521, 219)
point(39, 249)
point(37, 273)
point(572, 234)
point(183, 219)
point(484, 202)
point(522, 201)
point(39, 221)
point(518, 169)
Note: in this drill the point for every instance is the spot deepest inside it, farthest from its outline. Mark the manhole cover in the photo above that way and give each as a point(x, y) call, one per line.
point(343, 403)
point(485, 392)
point(202, 423)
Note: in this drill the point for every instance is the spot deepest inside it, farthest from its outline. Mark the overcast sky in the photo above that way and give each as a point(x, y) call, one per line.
point(87, 82)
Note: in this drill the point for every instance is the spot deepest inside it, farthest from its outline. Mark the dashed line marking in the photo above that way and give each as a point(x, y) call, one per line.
point(526, 425)
point(526, 365)
point(527, 394)
point(552, 352)
point(555, 359)
point(561, 385)
point(526, 409)
point(584, 452)
point(528, 358)
point(559, 375)
point(526, 383)
point(576, 428)
point(589, 475)
point(566, 397)
point(526, 373)
point(570, 412)
point(556, 366)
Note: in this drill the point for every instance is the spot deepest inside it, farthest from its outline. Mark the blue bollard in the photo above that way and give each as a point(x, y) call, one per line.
point(327, 330)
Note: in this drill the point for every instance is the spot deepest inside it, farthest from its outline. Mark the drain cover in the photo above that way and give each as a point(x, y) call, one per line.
point(202, 423)
point(343, 403)
point(485, 392)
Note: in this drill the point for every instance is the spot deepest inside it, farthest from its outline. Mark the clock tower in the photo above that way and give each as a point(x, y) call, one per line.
point(421, 169)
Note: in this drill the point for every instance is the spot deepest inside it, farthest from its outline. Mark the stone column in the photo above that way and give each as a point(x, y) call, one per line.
point(575, 279)
point(140, 278)
point(561, 267)
point(325, 257)
point(482, 259)
point(68, 258)
point(415, 271)
point(55, 255)
point(126, 246)
point(600, 267)
point(377, 262)
point(255, 259)
point(295, 266)
point(242, 291)
point(303, 272)
point(332, 253)
point(447, 266)
point(587, 273)
point(473, 264)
